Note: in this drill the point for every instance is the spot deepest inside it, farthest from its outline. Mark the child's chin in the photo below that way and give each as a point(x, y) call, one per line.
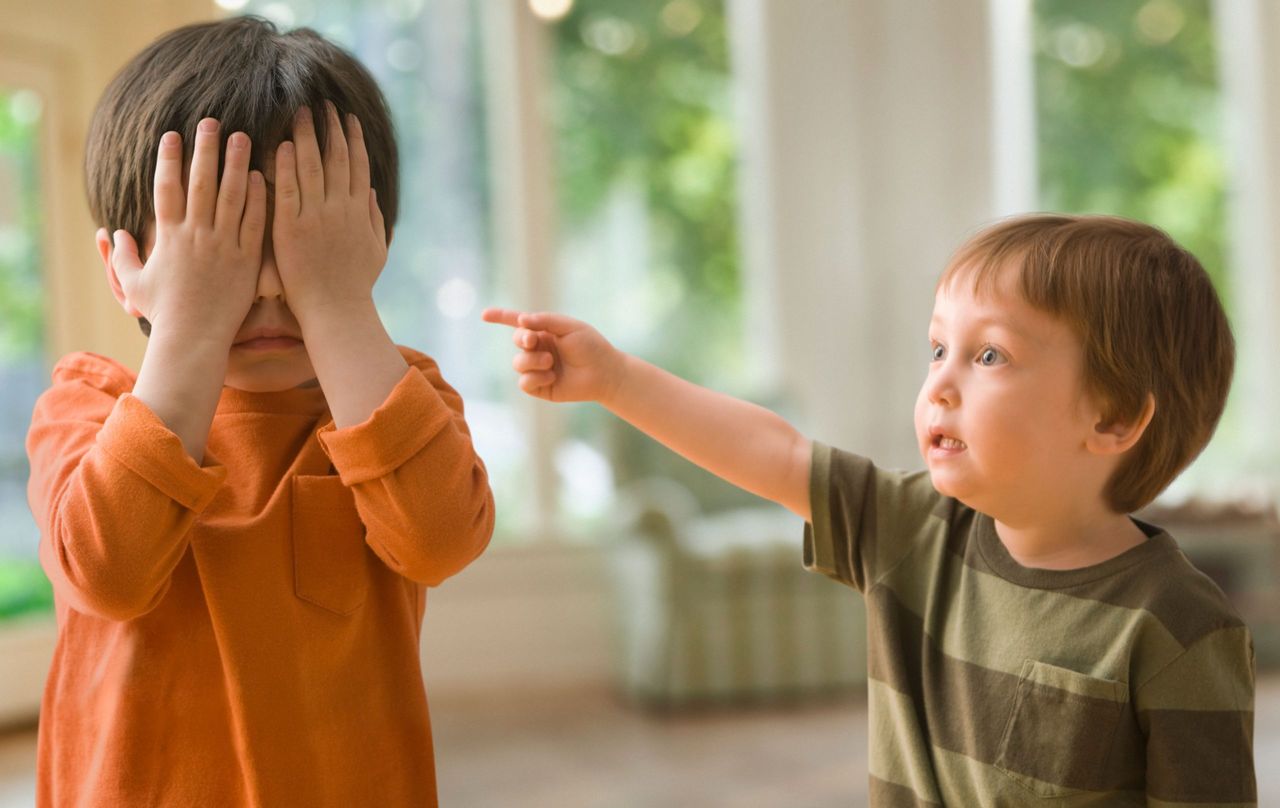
point(945, 484)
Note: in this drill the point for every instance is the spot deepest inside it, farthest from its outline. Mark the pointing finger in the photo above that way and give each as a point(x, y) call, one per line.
point(557, 324)
point(501, 316)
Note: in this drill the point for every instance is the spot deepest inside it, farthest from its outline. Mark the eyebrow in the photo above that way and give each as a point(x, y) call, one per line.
point(990, 322)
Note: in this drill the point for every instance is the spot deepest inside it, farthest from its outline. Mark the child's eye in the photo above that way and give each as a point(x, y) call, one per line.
point(990, 356)
point(938, 352)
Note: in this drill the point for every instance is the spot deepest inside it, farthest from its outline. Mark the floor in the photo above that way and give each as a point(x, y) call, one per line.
point(587, 750)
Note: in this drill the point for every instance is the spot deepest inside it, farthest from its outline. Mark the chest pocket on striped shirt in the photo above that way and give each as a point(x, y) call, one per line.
point(1060, 731)
point(330, 559)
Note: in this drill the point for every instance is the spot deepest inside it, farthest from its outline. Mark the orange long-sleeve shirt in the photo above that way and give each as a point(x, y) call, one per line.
point(245, 633)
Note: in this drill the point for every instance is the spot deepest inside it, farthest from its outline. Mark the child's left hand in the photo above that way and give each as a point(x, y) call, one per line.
point(328, 233)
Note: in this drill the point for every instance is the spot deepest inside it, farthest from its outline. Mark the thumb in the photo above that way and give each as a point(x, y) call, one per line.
point(126, 265)
point(124, 255)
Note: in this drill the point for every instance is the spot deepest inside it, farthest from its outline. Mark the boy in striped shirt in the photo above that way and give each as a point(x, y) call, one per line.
point(1030, 642)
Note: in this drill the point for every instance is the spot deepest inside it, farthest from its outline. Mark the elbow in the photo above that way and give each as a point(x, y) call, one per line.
point(111, 599)
point(471, 541)
point(452, 545)
point(121, 607)
point(100, 586)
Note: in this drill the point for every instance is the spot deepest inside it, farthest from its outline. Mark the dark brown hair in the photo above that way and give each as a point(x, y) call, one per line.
point(1147, 316)
point(249, 76)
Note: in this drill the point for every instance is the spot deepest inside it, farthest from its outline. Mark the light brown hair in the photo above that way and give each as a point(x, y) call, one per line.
point(1148, 319)
point(249, 76)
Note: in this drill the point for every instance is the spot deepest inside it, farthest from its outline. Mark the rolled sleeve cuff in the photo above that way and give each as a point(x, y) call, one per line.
point(135, 437)
point(819, 545)
point(398, 429)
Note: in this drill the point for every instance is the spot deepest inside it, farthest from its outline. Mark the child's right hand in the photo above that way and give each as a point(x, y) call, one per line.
point(201, 276)
point(560, 359)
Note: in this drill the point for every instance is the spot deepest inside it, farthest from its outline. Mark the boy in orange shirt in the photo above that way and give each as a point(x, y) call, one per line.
point(240, 536)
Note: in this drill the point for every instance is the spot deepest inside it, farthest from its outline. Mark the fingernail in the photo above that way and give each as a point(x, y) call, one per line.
point(169, 139)
point(208, 125)
point(255, 177)
point(286, 148)
point(239, 140)
point(304, 113)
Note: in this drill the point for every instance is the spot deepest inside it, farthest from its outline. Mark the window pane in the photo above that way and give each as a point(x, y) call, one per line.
point(645, 161)
point(23, 375)
point(1129, 120)
point(1129, 123)
point(425, 55)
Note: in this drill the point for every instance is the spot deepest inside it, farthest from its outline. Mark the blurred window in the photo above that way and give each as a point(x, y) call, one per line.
point(1129, 122)
point(646, 170)
point(23, 588)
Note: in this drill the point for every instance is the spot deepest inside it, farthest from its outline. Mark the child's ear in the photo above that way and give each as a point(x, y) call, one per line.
point(103, 239)
point(1117, 437)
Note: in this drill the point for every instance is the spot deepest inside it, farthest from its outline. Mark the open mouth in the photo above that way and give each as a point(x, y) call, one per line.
point(948, 444)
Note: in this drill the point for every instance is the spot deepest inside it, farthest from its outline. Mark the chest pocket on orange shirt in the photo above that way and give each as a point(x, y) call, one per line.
point(330, 558)
point(1060, 731)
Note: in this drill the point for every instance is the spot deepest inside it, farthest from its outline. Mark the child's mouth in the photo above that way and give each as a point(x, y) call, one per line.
point(948, 444)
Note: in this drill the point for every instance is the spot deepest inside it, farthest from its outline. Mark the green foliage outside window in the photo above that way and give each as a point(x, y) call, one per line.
point(23, 586)
point(641, 92)
point(1127, 97)
point(21, 319)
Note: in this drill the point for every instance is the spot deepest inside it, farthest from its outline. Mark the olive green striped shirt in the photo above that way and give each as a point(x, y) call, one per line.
point(1129, 682)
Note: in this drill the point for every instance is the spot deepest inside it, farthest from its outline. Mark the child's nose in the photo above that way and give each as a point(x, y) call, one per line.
point(269, 285)
point(941, 388)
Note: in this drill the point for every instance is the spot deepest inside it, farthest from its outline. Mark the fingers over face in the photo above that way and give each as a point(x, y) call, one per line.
point(287, 197)
point(310, 169)
point(337, 171)
point(359, 157)
point(235, 177)
point(170, 203)
point(202, 184)
point(254, 222)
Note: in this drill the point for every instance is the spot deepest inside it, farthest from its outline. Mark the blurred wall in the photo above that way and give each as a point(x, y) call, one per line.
point(868, 154)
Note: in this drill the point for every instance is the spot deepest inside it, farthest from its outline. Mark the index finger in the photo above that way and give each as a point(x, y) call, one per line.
point(509, 317)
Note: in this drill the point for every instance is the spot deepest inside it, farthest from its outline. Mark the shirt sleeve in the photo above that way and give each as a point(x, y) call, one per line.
point(114, 494)
point(1197, 715)
point(865, 519)
point(420, 488)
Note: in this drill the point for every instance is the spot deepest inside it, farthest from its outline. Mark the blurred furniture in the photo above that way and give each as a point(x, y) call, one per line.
point(717, 607)
point(1237, 544)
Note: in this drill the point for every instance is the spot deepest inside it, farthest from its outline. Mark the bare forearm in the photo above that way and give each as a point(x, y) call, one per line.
point(748, 445)
point(180, 381)
point(355, 361)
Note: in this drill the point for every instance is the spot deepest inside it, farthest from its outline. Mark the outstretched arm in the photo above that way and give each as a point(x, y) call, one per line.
point(562, 359)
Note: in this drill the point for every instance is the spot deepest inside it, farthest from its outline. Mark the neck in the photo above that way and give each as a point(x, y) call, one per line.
point(1070, 541)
